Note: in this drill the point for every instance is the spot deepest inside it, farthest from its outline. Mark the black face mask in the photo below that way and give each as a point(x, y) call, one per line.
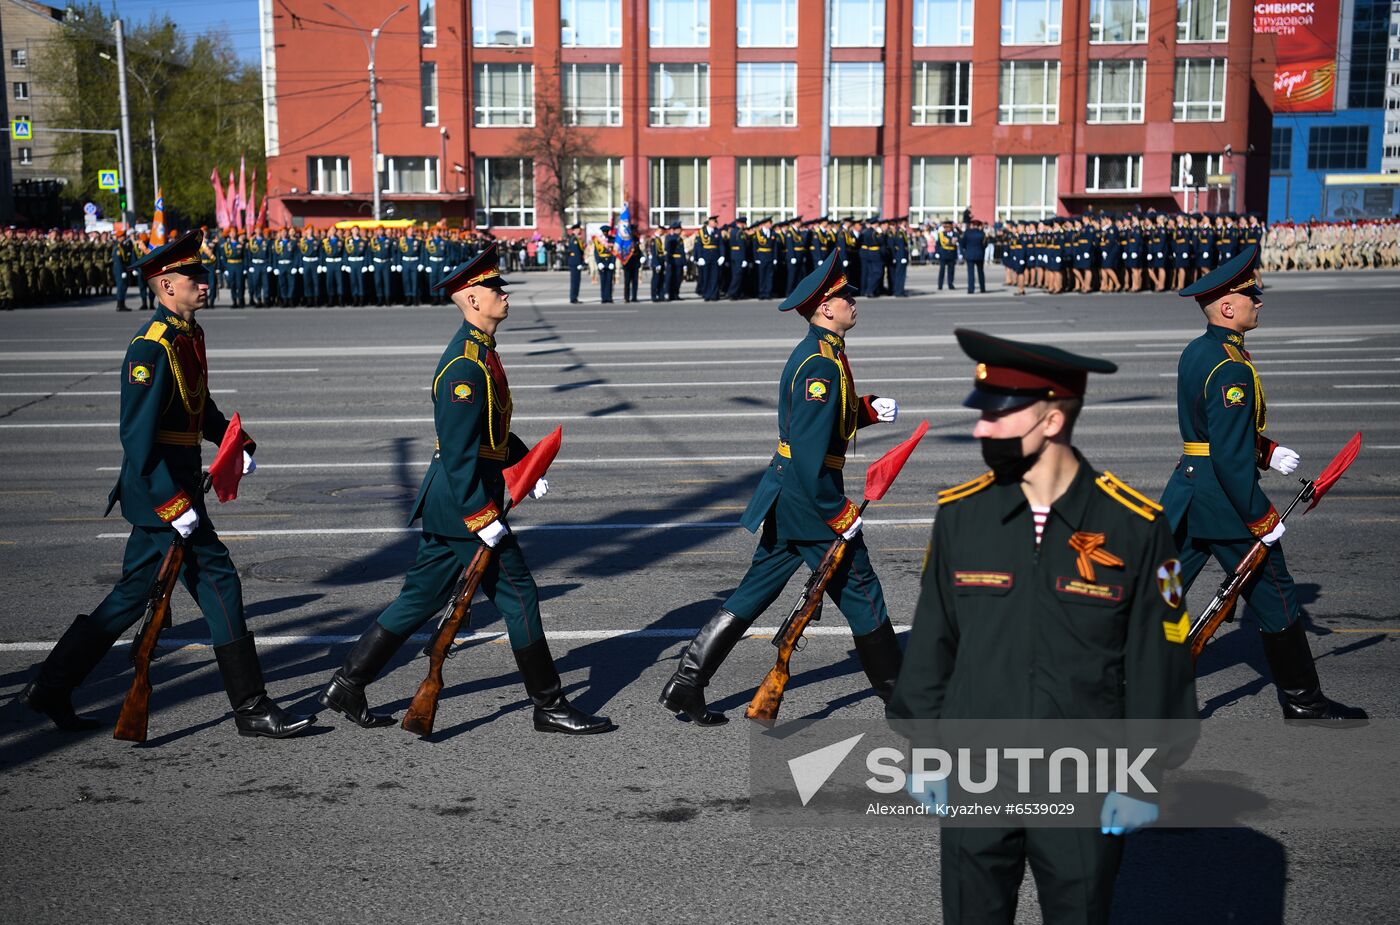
point(1003, 455)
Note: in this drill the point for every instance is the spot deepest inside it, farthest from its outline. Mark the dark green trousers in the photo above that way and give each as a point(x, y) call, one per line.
point(855, 587)
point(208, 573)
point(1270, 594)
point(428, 585)
point(1074, 871)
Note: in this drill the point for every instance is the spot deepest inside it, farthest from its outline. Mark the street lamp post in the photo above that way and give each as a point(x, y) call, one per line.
point(371, 43)
point(151, 100)
point(126, 117)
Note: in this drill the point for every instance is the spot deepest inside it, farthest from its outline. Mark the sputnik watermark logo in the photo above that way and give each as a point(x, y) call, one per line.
point(812, 770)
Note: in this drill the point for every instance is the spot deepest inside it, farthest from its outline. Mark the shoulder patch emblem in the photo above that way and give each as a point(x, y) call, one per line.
point(818, 389)
point(1169, 583)
point(1233, 395)
point(139, 373)
point(462, 391)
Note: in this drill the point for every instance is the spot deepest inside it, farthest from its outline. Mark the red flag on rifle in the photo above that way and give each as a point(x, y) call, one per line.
point(522, 476)
point(882, 471)
point(227, 467)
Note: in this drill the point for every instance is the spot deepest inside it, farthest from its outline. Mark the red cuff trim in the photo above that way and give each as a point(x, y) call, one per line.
point(482, 518)
point(868, 415)
point(1265, 524)
point(842, 522)
point(1264, 451)
point(174, 507)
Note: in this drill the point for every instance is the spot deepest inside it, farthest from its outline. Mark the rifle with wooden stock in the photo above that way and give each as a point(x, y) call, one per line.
point(1221, 608)
point(223, 475)
point(520, 478)
point(768, 698)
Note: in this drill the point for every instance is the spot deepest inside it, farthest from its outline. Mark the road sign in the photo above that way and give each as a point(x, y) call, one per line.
point(107, 179)
point(90, 208)
point(22, 130)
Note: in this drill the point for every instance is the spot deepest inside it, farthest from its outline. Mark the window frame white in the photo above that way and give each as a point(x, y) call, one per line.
point(26, 156)
point(1054, 30)
point(389, 175)
point(482, 21)
point(568, 12)
point(744, 201)
point(1181, 77)
point(658, 112)
point(611, 111)
point(427, 23)
point(699, 24)
point(966, 11)
point(615, 182)
point(1220, 25)
point(744, 87)
point(428, 81)
point(19, 57)
point(745, 28)
point(484, 188)
point(875, 70)
point(1007, 77)
point(324, 166)
point(1142, 9)
point(1094, 112)
point(483, 113)
point(874, 187)
point(20, 90)
point(921, 210)
point(658, 212)
point(962, 83)
point(872, 30)
point(1093, 173)
point(1049, 192)
point(1215, 163)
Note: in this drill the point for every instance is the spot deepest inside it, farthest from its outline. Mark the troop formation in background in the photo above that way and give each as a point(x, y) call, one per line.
point(1332, 245)
point(44, 267)
point(1140, 252)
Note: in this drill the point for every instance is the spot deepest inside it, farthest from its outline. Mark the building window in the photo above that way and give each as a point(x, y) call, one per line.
point(680, 190)
point(1116, 90)
point(1030, 22)
point(1117, 21)
point(505, 94)
point(1202, 20)
point(856, 186)
point(680, 23)
point(767, 94)
point(1026, 188)
point(1366, 86)
point(409, 175)
point(593, 94)
point(505, 192)
point(858, 93)
point(427, 23)
point(1113, 173)
point(19, 57)
point(1200, 90)
point(1338, 147)
point(857, 23)
point(1030, 91)
point(680, 95)
point(767, 23)
point(503, 22)
point(938, 188)
point(590, 23)
point(26, 157)
point(21, 90)
point(427, 79)
point(942, 93)
point(1281, 148)
point(767, 186)
point(598, 192)
point(942, 22)
point(328, 174)
point(1189, 171)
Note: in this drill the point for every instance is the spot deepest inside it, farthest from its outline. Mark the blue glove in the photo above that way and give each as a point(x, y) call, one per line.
point(934, 794)
point(1121, 815)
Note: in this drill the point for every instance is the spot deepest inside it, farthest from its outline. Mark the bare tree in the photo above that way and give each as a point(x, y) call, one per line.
point(559, 152)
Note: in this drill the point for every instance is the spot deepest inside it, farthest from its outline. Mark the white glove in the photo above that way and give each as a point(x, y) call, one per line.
point(248, 465)
point(493, 533)
point(853, 530)
point(744, 264)
point(540, 490)
point(276, 272)
point(1283, 460)
point(719, 262)
point(186, 522)
point(1122, 815)
point(792, 260)
point(886, 410)
point(700, 261)
point(845, 263)
point(1274, 535)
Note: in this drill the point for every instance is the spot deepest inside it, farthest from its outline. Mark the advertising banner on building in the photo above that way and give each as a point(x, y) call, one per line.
point(1305, 77)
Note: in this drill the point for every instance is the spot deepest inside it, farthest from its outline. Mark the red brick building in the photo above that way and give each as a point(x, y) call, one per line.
point(1008, 107)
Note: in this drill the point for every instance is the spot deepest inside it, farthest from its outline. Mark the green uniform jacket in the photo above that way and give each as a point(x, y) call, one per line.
point(818, 414)
point(1221, 411)
point(464, 489)
point(1008, 630)
point(166, 411)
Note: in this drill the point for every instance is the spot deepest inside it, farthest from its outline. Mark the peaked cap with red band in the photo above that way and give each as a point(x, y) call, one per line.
point(181, 252)
point(1011, 374)
point(1238, 274)
point(827, 281)
point(482, 270)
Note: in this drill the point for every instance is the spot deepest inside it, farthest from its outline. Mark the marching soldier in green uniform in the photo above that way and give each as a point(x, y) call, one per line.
point(460, 501)
point(1050, 591)
point(800, 506)
point(166, 411)
point(1213, 499)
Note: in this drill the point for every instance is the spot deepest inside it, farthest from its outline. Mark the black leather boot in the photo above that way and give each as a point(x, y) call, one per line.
point(77, 653)
point(1295, 676)
point(881, 658)
point(254, 712)
point(553, 713)
point(685, 692)
point(345, 694)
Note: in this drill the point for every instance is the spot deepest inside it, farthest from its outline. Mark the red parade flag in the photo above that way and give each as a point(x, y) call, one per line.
point(227, 467)
point(522, 476)
point(882, 472)
point(1334, 469)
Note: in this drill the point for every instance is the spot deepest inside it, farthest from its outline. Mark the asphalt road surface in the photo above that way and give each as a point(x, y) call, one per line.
point(668, 415)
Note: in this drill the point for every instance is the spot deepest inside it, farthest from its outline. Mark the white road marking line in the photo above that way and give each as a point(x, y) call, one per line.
point(113, 372)
point(627, 416)
point(90, 394)
point(604, 461)
point(1387, 385)
point(694, 383)
point(1320, 372)
point(675, 632)
point(527, 528)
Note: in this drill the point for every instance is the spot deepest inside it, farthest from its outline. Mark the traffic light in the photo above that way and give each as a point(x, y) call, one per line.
point(121, 199)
